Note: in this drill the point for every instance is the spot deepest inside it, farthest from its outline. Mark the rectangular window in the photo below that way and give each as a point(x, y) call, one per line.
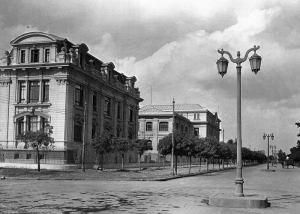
point(34, 92)
point(196, 131)
point(46, 91)
point(77, 131)
point(149, 126)
point(119, 111)
point(28, 156)
point(107, 106)
point(16, 156)
point(130, 114)
point(79, 95)
point(47, 55)
point(35, 55)
point(196, 116)
point(20, 126)
point(22, 88)
point(33, 124)
point(163, 126)
point(22, 56)
point(95, 101)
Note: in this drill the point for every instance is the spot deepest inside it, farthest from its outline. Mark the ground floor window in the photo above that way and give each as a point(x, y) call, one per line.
point(78, 131)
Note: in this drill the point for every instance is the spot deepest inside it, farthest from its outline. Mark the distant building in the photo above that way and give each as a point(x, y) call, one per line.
point(155, 122)
point(46, 79)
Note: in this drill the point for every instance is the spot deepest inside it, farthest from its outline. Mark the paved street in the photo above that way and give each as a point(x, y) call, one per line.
point(184, 195)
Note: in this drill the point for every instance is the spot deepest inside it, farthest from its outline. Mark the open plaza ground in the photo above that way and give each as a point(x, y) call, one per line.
point(148, 191)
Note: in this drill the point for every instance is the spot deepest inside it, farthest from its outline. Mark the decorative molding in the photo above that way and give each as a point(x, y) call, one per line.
point(79, 118)
point(107, 125)
point(119, 128)
point(63, 81)
point(130, 130)
point(94, 122)
point(4, 82)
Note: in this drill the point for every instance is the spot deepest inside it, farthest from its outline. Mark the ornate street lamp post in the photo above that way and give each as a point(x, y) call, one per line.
point(222, 64)
point(264, 137)
point(273, 156)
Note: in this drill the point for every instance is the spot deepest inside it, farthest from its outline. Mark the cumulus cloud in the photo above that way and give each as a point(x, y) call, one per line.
point(190, 60)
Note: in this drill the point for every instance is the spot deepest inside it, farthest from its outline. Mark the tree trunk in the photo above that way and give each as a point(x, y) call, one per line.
point(140, 162)
point(164, 161)
point(227, 163)
point(190, 164)
point(223, 164)
point(200, 165)
point(176, 157)
point(102, 158)
point(213, 160)
point(207, 164)
point(122, 161)
point(38, 158)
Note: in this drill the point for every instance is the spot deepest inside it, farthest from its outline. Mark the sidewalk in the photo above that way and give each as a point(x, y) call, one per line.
point(147, 174)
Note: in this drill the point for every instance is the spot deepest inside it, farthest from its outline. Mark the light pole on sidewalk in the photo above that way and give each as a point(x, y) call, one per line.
point(264, 137)
point(273, 156)
point(222, 65)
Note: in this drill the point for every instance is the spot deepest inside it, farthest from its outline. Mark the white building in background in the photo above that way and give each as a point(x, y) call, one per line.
point(155, 122)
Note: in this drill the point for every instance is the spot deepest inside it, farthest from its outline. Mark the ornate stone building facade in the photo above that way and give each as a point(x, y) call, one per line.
point(46, 79)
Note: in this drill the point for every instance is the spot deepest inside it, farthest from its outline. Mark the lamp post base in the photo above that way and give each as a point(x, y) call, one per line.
point(231, 201)
point(239, 187)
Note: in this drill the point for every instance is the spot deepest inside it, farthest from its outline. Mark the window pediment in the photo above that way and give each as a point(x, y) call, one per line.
point(35, 37)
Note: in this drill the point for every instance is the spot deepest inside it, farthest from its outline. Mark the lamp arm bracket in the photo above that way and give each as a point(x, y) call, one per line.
point(248, 51)
point(226, 52)
point(239, 60)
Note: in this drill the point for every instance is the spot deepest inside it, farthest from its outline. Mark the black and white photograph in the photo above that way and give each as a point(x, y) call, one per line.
point(150, 106)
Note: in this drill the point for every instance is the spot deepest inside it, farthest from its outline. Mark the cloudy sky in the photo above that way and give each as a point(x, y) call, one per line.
point(171, 46)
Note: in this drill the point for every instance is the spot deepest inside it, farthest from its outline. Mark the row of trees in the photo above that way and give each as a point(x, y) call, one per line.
point(295, 151)
point(104, 143)
point(209, 147)
point(107, 143)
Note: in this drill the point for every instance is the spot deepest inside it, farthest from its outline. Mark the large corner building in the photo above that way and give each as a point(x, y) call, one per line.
point(46, 79)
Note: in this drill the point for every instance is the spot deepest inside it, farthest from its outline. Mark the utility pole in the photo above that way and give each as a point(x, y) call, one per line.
point(83, 138)
point(172, 156)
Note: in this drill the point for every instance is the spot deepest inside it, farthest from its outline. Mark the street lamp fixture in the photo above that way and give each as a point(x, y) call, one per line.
point(272, 138)
point(222, 65)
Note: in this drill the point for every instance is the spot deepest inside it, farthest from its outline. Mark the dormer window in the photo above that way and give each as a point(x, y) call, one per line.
point(35, 55)
point(47, 55)
point(22, 56)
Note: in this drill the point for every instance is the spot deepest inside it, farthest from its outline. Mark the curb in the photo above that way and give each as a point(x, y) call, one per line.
point(131, 179)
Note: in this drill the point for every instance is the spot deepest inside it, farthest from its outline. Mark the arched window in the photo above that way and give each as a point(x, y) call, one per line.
point(77, 131)
point(149, 126)
point(163, 126)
